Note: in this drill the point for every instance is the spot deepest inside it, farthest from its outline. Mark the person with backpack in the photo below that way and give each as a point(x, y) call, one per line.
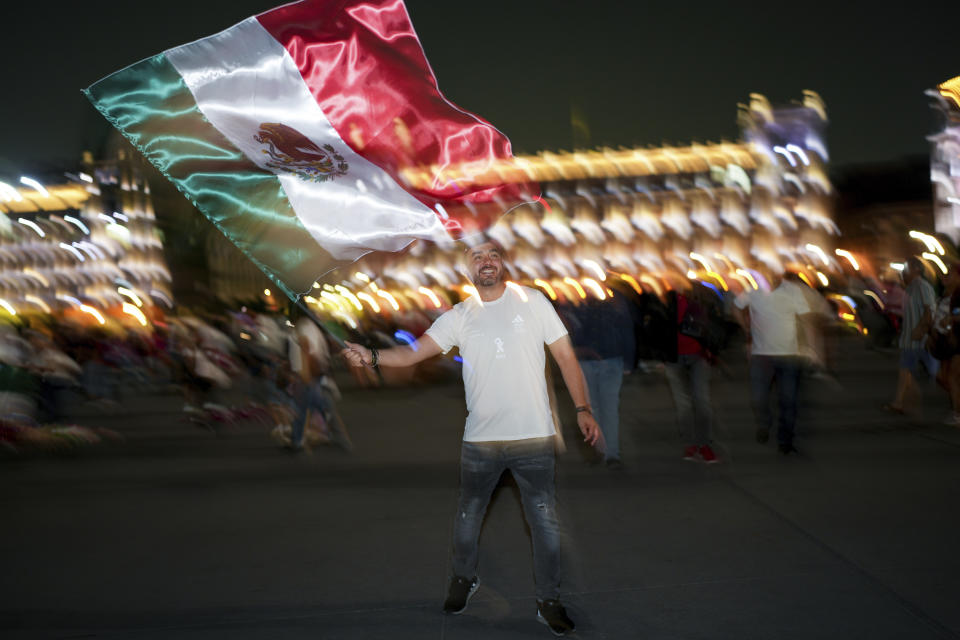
point(689, 376)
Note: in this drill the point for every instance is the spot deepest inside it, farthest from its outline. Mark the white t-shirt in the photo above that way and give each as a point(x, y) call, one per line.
point(501, 343)
point(773, 318)
point(316, 344)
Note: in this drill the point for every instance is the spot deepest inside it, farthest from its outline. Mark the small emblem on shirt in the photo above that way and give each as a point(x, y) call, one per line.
point(518, 323)
point(501, 353)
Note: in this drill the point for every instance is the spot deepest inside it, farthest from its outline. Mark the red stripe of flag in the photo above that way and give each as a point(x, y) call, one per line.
point(364, 65)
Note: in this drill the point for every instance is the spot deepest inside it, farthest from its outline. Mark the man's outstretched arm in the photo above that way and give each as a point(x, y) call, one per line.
point(401, 356)
point(562, 351)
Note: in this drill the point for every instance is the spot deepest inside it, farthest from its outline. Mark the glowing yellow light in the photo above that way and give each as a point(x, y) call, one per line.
point(346, 293)
point(848, 316)
point(632, 282)
point(469, 290)
point(749, 276)
point(876, 298)
point(430, 294)
point(130, 294)
point(266, 292)
point(929, 241)
point(134, 311)
point(316, 285)
point(806, 280)
point(324, 302)
point(366, 297)
point(346, 318)
point(609, 292)
point(360, 275)
point(716, 276)
point(823, 279)
point(691, 274)
point(865, 332)
point(725, 260)
point(37, 301)
point(595, 287)
point(93, 312)
point(699, 258)
point(543, 284)
point(843, 253)
point(936, 260)
point(596, 268)
point(518, 290)
point(817, 250)
point(9, 307)
point(576, 285)
point(389, 298)
point(36, 274)
point(650, 280)
point(332, 299)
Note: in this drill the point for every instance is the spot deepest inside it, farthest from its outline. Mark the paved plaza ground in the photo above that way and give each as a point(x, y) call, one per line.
point(181, 533)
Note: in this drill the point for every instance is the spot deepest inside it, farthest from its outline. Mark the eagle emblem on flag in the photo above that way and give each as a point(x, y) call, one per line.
point(295, 153)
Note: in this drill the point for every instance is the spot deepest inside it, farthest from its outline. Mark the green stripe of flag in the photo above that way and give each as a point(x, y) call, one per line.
point(151, 105)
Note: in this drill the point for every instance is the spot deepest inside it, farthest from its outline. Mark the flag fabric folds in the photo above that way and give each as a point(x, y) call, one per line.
point(296, 132)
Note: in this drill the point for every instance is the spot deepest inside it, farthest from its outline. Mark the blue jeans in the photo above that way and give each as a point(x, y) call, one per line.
point(604, 379)
point(532, 464)
point(689, 380)
point(307, 396)
point(785, 370)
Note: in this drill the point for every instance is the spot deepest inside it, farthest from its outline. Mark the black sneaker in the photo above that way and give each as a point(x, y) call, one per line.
point(552, 614)
point(459, 595)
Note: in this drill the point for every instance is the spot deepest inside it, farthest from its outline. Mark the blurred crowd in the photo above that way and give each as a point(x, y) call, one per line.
point(277, 368)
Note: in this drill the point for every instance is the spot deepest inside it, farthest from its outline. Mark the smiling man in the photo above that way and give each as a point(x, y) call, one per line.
point(501, 333)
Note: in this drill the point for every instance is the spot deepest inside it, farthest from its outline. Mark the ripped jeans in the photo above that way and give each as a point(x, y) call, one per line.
point(532, 464)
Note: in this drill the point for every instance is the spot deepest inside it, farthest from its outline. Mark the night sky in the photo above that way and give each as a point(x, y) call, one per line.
point(639, 73)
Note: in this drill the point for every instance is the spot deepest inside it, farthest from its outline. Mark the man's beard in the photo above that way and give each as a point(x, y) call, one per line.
point(488, 280)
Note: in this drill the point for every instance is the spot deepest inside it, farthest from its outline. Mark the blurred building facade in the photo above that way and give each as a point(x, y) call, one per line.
point(83, 242)
point(706, 211)
point(945, 159)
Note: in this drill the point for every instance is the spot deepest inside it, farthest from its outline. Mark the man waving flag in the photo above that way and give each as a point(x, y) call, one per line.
point(312, 134)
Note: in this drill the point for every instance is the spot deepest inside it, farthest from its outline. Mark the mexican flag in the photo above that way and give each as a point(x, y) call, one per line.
point(298, 131)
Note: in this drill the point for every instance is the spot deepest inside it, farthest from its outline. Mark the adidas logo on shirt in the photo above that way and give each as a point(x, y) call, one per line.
point(518, 323)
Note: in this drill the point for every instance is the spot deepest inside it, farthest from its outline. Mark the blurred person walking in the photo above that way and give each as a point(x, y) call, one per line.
point(501, 333)
point(309, 363)
point(602, 332)
point(943, 340)
point(771, 322)
point(918, 306)
point(689, 377)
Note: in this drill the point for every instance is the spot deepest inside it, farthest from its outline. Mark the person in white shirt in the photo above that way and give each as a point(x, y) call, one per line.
point(501, 333)
point(919, 303)
point(309, 360)
point(774, 354)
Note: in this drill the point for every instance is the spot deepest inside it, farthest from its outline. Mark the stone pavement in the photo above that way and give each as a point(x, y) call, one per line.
point(180, 533)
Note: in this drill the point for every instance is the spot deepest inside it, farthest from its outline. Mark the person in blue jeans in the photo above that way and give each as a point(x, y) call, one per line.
point(770, 318)
point(602, 332)
point(501, 332)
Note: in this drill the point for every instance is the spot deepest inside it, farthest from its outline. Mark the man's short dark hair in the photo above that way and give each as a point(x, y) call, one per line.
point(915, 264)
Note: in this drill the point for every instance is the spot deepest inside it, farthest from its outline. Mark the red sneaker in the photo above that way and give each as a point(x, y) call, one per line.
point(690, 453)
point(707, 454)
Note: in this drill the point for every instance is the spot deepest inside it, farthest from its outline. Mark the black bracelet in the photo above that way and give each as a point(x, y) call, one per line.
point(584, 409)
point(374, 357)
